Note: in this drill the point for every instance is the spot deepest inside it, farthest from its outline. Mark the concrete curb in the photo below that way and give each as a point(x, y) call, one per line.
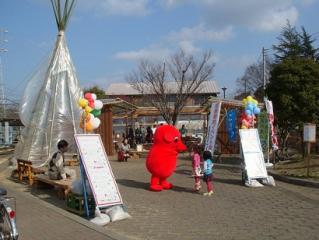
point(287, 179)
point(293, 180)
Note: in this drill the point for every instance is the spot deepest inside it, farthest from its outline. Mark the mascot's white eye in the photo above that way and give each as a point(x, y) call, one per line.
point(176, 139)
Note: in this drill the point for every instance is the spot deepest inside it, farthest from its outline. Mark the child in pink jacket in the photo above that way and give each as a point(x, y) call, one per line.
point(196, 167)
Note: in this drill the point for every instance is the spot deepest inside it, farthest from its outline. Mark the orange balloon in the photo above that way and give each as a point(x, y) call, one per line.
point(87, 118)
point(89, 127)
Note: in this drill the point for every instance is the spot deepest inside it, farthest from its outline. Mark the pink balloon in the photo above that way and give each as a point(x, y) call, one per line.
point(245, 122)
point(88, 96)
point(249, 117)
point(91, 104)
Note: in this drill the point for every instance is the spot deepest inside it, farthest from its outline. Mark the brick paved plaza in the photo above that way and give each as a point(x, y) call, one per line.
point(233, 212)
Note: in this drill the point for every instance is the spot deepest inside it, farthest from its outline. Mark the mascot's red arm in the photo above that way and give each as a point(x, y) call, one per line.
point(161, 160)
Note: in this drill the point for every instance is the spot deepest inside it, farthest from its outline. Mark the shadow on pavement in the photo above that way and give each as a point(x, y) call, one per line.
point(145, 185)
point(133, 183)
point(184, 171)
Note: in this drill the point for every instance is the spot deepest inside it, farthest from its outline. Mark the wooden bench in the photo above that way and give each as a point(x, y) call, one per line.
point(137, 154)
point(63, 186)
point(25, 169)
point(71, 162)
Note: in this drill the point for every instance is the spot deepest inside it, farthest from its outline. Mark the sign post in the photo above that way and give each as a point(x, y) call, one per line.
point(83, 182)
point(309, 136)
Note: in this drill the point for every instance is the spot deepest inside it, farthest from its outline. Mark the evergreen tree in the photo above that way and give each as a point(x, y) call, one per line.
point(100, 93)
point(290, 44)
point(308, 50)
point(294, 90)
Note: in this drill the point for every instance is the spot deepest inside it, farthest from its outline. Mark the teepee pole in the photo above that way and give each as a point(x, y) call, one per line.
point(71, 106)
point(53, 115)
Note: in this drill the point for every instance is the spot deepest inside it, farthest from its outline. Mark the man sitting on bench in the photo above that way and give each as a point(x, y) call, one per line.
point(57, 171)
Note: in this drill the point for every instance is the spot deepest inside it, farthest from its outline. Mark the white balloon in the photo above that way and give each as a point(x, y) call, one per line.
point(98, 104)
point(93, 96)
point(96, 123)
point(91, 118)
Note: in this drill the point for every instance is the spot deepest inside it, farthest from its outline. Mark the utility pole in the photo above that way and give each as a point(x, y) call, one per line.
point(268, 164)
point(264, 70)
point(2, 94)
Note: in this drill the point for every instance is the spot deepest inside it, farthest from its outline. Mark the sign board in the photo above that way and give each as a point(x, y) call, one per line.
point(98, 170)
point(253, 155)
point(212, 129)
point(309, 132)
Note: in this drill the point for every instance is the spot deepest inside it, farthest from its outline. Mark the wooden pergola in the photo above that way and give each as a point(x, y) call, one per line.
point(112, 108)
point(118, 108)
point(225, 146)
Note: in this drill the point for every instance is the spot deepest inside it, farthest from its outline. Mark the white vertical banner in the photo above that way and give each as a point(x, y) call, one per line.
point(269, 107)
point(271, 117)
point(212, 129)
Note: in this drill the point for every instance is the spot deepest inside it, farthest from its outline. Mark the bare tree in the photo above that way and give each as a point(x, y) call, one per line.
point(252, 81)
point(180, 77)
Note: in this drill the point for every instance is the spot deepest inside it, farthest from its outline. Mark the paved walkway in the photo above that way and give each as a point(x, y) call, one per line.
point(233, 212)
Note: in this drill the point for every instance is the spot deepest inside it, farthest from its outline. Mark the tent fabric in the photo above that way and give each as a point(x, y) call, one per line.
point(49, 109)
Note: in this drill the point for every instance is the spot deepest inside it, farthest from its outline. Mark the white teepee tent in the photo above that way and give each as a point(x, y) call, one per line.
point(49, 108)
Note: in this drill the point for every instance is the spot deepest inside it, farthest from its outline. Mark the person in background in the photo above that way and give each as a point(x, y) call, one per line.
point(208, 172)
point(149, 135)
point(131, 137)
point(123, 154)
point(154, 129)
point(57, 171)
point(143, 131)
point(138, 135)
point(183, 131)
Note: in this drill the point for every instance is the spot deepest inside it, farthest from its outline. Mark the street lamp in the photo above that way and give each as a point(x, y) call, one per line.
point(224, 90)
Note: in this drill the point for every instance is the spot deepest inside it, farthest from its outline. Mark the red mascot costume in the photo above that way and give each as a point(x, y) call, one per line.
point(161, 160)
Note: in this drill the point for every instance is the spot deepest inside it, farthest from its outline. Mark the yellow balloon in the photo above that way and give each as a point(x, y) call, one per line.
point(243, 127)
point(88, 109)
point(250, 99)
point(83, 102)
point(255, 102)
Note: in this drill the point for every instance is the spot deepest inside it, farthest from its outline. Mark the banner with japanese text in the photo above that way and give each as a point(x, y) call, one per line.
point(212, 129)
point(231, 125)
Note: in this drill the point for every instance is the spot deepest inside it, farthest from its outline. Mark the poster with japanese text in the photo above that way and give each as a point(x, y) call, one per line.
point(98, 170)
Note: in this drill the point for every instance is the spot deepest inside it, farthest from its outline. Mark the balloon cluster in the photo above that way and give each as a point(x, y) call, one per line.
point(248, 118)
point(91, 110)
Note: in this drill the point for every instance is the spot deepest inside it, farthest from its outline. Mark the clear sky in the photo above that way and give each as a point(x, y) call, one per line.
point(107, 38)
